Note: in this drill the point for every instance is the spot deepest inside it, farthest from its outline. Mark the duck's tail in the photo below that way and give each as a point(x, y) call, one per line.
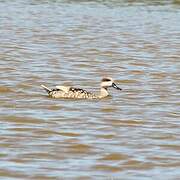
point(46, 88)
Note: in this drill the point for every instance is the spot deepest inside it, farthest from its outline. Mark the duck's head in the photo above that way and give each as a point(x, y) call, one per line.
point(109, 82)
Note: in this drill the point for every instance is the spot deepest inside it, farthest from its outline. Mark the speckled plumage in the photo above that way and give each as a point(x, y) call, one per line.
point(73, 93)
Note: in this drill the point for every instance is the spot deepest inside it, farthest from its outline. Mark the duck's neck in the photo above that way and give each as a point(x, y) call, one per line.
point(103, 92)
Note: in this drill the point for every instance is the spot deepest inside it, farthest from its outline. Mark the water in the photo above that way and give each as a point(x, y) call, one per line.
point(134, 134)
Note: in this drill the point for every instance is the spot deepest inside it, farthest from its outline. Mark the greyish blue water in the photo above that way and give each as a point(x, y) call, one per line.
point(134, 134)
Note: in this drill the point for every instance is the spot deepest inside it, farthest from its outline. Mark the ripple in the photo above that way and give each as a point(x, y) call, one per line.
point(11, 174)
point(134, 164)
point(107, 168)
point(4, 89)
point(80, 149)
point(114, 157)
point(22, 120)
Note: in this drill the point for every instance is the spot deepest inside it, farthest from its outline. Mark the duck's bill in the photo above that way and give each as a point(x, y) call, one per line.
point(116, 87)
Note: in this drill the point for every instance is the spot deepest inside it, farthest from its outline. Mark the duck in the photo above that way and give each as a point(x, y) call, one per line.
point(78, 93)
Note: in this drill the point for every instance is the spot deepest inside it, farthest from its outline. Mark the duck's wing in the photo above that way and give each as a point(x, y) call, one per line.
point(81, 92)
point(63, 88)
point(70, 89)
point(73, 89)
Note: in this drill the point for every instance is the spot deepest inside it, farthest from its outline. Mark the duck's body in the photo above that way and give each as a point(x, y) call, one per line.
point(77, 93)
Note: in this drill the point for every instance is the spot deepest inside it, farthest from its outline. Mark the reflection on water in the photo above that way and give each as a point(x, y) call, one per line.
point(133, 134)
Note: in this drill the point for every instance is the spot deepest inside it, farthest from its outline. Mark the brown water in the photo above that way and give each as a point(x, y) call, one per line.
point(135, 134)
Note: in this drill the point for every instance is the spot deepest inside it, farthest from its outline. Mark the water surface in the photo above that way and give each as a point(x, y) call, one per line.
point(134, 134)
